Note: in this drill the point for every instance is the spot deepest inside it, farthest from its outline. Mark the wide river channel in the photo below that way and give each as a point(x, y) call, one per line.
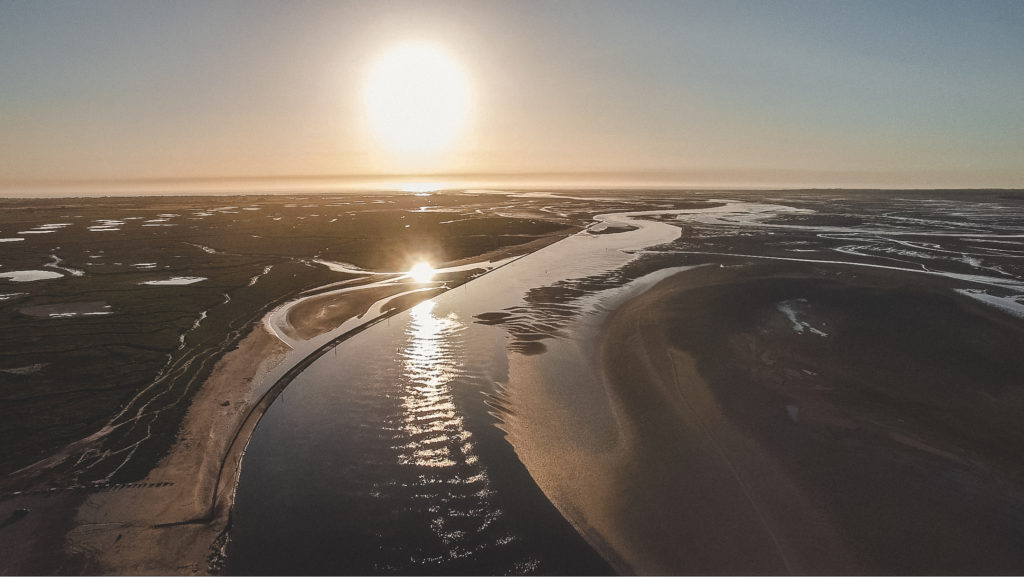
point(392, 453)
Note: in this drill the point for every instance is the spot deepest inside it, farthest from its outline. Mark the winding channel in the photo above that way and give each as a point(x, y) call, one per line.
point(403, 450)
point(382, 455)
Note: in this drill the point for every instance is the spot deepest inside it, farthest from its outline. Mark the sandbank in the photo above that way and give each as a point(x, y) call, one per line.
point(320, 314)
point(734, 443)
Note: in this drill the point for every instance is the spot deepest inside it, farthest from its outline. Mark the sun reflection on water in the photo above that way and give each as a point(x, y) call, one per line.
point(422, 272)
point(421, 188)
point(433, 440)
point(430, 418)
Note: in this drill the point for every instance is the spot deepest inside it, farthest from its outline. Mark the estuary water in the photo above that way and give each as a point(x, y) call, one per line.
point(422, 444)
point(388, 454)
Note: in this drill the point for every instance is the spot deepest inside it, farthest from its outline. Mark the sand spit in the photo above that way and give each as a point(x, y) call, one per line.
point(319, 314)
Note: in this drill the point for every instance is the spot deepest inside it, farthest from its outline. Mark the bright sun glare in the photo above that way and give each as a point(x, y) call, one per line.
point(417, 99)
point(421, 272)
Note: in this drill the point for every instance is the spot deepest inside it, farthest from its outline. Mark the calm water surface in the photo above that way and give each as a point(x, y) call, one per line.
point(389, 453)
point(384, 455)
point(383, 458)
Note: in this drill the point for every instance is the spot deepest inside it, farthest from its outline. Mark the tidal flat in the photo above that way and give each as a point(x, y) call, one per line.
point(684, 382)
point(113, 325)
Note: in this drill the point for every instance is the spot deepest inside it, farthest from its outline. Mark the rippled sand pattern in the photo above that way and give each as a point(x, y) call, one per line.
point(548, 311)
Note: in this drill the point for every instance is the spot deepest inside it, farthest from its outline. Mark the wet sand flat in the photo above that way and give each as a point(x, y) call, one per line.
point(830, 385)
point(885, 444)
point(321, 314)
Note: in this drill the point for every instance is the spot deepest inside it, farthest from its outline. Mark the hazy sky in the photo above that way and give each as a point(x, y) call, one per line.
point(765, 93)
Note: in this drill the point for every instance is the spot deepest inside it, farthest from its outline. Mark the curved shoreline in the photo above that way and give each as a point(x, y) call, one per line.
point(739, 514)
point(131, 531)
point(743, 443)
point(635, 351)
point(178, 526)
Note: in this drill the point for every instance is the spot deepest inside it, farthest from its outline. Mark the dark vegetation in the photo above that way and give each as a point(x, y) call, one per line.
point(62, 379)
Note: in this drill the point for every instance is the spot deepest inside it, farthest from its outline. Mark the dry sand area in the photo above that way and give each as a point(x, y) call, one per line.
point(170, 529)
point(780, 419)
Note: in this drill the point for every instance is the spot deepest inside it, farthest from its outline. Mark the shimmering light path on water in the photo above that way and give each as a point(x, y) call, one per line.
point(394, 453)
point(383, 458)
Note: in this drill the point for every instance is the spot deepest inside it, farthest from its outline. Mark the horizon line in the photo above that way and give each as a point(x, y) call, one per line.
point(662, 179)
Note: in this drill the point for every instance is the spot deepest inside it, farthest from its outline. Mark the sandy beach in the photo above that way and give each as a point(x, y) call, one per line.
point(722, 504)
point(664, 482)
point(170, 529)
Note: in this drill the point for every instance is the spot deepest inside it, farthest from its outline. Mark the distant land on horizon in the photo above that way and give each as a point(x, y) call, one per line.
point(740, 179)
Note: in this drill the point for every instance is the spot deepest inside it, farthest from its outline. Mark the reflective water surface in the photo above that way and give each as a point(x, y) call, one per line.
point(403, 449)
point(388, 455)
point(383, 458)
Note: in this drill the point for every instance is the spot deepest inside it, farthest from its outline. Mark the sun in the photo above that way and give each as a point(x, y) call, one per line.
point(417, 99)
point(422, 272)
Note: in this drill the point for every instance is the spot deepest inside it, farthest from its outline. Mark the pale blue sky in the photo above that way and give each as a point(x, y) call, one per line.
point(763, 93)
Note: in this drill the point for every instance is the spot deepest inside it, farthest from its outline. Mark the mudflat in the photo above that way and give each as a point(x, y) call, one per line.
point(793, 419)
point(830, 383)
